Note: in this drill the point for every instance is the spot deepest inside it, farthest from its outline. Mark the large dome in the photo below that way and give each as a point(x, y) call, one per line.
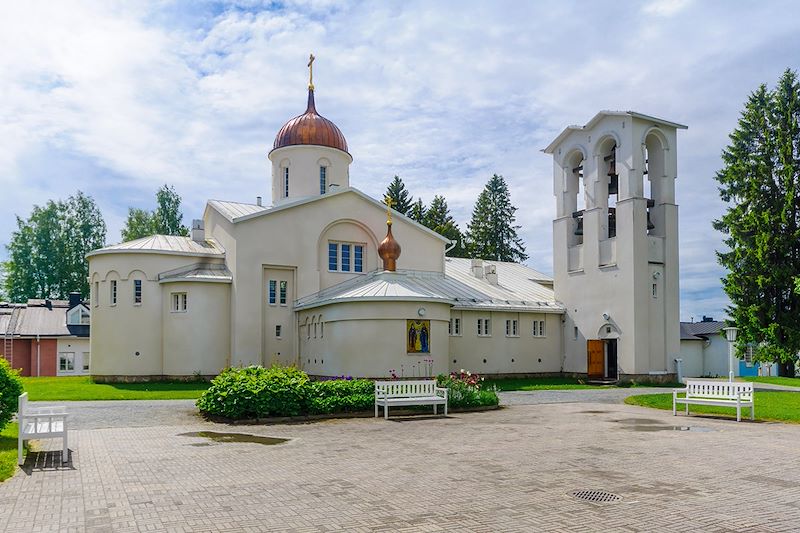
point(310, 128)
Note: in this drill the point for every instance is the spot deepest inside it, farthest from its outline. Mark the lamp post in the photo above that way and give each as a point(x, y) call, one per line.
point(730, 334)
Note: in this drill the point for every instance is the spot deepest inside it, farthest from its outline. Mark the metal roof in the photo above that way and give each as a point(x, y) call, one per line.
point(453, 288)
point(165, 244)
point(704, 329)
point(233, 211)
point(209, 272)
point(38, 317)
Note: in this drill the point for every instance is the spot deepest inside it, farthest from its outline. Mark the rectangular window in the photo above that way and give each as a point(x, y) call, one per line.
point(538, 328)
point(278, 331)
point(484, 327)
point(286, 182)
point(86, 360)
point(512, 328)
point(575, 332)
point(113, 292)
point(321, 328)
point(66, 362)
point(273, 287)
point(358, 258)
point(345, 257)
point(315, 330)
point(323, 180)
point(96, 293)
point(283, 292)
point(137, 291)
point(333, 256)
point(179, 302)
point(655, 290)
point(454, 327)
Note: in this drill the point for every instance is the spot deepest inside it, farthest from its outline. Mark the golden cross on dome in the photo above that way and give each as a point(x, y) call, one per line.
point(311, 59)
point(389, 202)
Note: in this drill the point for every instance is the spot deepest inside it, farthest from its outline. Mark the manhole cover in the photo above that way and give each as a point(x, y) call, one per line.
point(596, 496)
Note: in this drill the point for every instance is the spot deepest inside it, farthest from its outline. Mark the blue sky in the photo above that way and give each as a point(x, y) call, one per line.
point(116, 99)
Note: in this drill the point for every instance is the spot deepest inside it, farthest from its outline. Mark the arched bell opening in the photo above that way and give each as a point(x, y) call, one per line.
point(575, 204)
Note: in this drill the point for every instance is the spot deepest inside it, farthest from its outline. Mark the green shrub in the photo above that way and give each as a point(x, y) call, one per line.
point(464, 390)
point(10, 389)
point(341, 396)
point(255, 391)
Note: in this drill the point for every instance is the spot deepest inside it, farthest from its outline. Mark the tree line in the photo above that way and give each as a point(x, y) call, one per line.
point(47, 251)
point(490, 234)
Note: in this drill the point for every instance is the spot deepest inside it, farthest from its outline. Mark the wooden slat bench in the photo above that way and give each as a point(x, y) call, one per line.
point(41, 423)
point(719, 393)
point(419, 392)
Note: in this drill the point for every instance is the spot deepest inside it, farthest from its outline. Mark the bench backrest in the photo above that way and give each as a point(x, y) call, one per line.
point(22, 403)
point(405, 389)
point(719, 389)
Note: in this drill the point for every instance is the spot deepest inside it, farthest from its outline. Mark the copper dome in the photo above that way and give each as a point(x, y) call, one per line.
point(310, 128)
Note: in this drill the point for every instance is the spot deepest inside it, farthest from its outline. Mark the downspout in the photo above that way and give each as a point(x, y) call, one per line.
point(38, 357)
point(452, 245)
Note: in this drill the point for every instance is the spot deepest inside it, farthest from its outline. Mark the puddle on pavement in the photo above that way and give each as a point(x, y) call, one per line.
point(650, 425)
point(594, 412)
point(232, 437)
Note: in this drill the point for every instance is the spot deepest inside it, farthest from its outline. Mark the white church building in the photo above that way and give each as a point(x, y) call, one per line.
point(317, 279)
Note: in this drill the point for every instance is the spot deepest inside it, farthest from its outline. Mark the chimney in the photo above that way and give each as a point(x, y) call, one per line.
point(258, 201)
point(477, 268)
point(490, 272)
point(707, 319)
point(48, 303)
point(74, 299)
point(198, 231)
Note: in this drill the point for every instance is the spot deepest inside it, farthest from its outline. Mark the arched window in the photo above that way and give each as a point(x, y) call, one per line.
point(286, 182)
point(323, 179)
point(576, 201)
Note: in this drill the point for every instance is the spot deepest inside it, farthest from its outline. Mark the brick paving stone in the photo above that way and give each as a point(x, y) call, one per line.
point(507, 470)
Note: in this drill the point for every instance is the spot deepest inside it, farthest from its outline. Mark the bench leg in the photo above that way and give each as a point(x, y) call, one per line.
point(435, 409)
point(376, 409)
point(674, 406)
point(445, 408)
point(687, 408)
point(386, 411)
point(65, 451)
point(752, 412)
point(20, 459)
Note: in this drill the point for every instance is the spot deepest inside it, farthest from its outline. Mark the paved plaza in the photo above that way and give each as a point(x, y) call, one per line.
point(506, 470)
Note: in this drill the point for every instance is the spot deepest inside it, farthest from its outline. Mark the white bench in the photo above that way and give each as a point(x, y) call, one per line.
point(419, 392)
point(720, 393)
point(41, 423)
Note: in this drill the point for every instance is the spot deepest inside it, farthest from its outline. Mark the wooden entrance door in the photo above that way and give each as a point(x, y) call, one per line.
point(595, 366)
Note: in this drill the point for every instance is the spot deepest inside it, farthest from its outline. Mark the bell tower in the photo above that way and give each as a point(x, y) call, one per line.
point(615, 246)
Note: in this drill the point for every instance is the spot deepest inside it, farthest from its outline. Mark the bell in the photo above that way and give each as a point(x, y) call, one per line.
point(650, 225)
point(579, 227)
point(650, 204)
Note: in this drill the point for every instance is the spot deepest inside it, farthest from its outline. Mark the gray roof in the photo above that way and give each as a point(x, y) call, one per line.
point(702, 329)
point(454, 288)
point(209, 272)
point(234, 211)
point(165, 244)
point(37, 318)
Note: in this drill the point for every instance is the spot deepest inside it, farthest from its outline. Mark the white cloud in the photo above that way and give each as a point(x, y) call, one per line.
point(118, 100)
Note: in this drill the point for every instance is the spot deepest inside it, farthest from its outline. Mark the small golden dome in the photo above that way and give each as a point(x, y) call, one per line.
point(310, 128)
point(389, 250)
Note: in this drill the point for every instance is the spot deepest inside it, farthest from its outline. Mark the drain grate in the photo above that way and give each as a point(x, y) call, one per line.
point(595, 496)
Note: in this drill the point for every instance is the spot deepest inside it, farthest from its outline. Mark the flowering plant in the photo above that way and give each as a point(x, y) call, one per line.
point(464, 389)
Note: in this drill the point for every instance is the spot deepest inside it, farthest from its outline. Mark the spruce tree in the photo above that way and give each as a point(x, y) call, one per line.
point(492, 233)
point(417, 211)
point(438, 219)
point(401, 199)
point(760, 181)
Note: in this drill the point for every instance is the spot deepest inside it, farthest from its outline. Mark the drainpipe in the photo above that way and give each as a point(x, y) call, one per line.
point(38, 357)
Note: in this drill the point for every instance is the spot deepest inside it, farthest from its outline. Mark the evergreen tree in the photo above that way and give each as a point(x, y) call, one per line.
point(417, 211)
point(760, 180)
point(492, 234)
point(47, 252)
point(165, 220)
point(401, 200)
point(438, 219)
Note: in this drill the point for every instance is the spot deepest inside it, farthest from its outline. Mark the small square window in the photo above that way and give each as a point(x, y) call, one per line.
point(179, 302)
point(278, 329)
point(137, 291)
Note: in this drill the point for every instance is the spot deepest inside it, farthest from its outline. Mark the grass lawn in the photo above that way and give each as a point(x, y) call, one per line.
point(776, 380)
point(8, 451)
point(83, 388)
point(772, 405)
point(554, 383)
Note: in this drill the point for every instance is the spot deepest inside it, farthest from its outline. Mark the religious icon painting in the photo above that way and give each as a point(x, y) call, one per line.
point(418, 336)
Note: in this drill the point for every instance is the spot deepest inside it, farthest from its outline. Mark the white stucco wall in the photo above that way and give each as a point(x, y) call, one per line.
point(304, 162)
point(76, 345)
